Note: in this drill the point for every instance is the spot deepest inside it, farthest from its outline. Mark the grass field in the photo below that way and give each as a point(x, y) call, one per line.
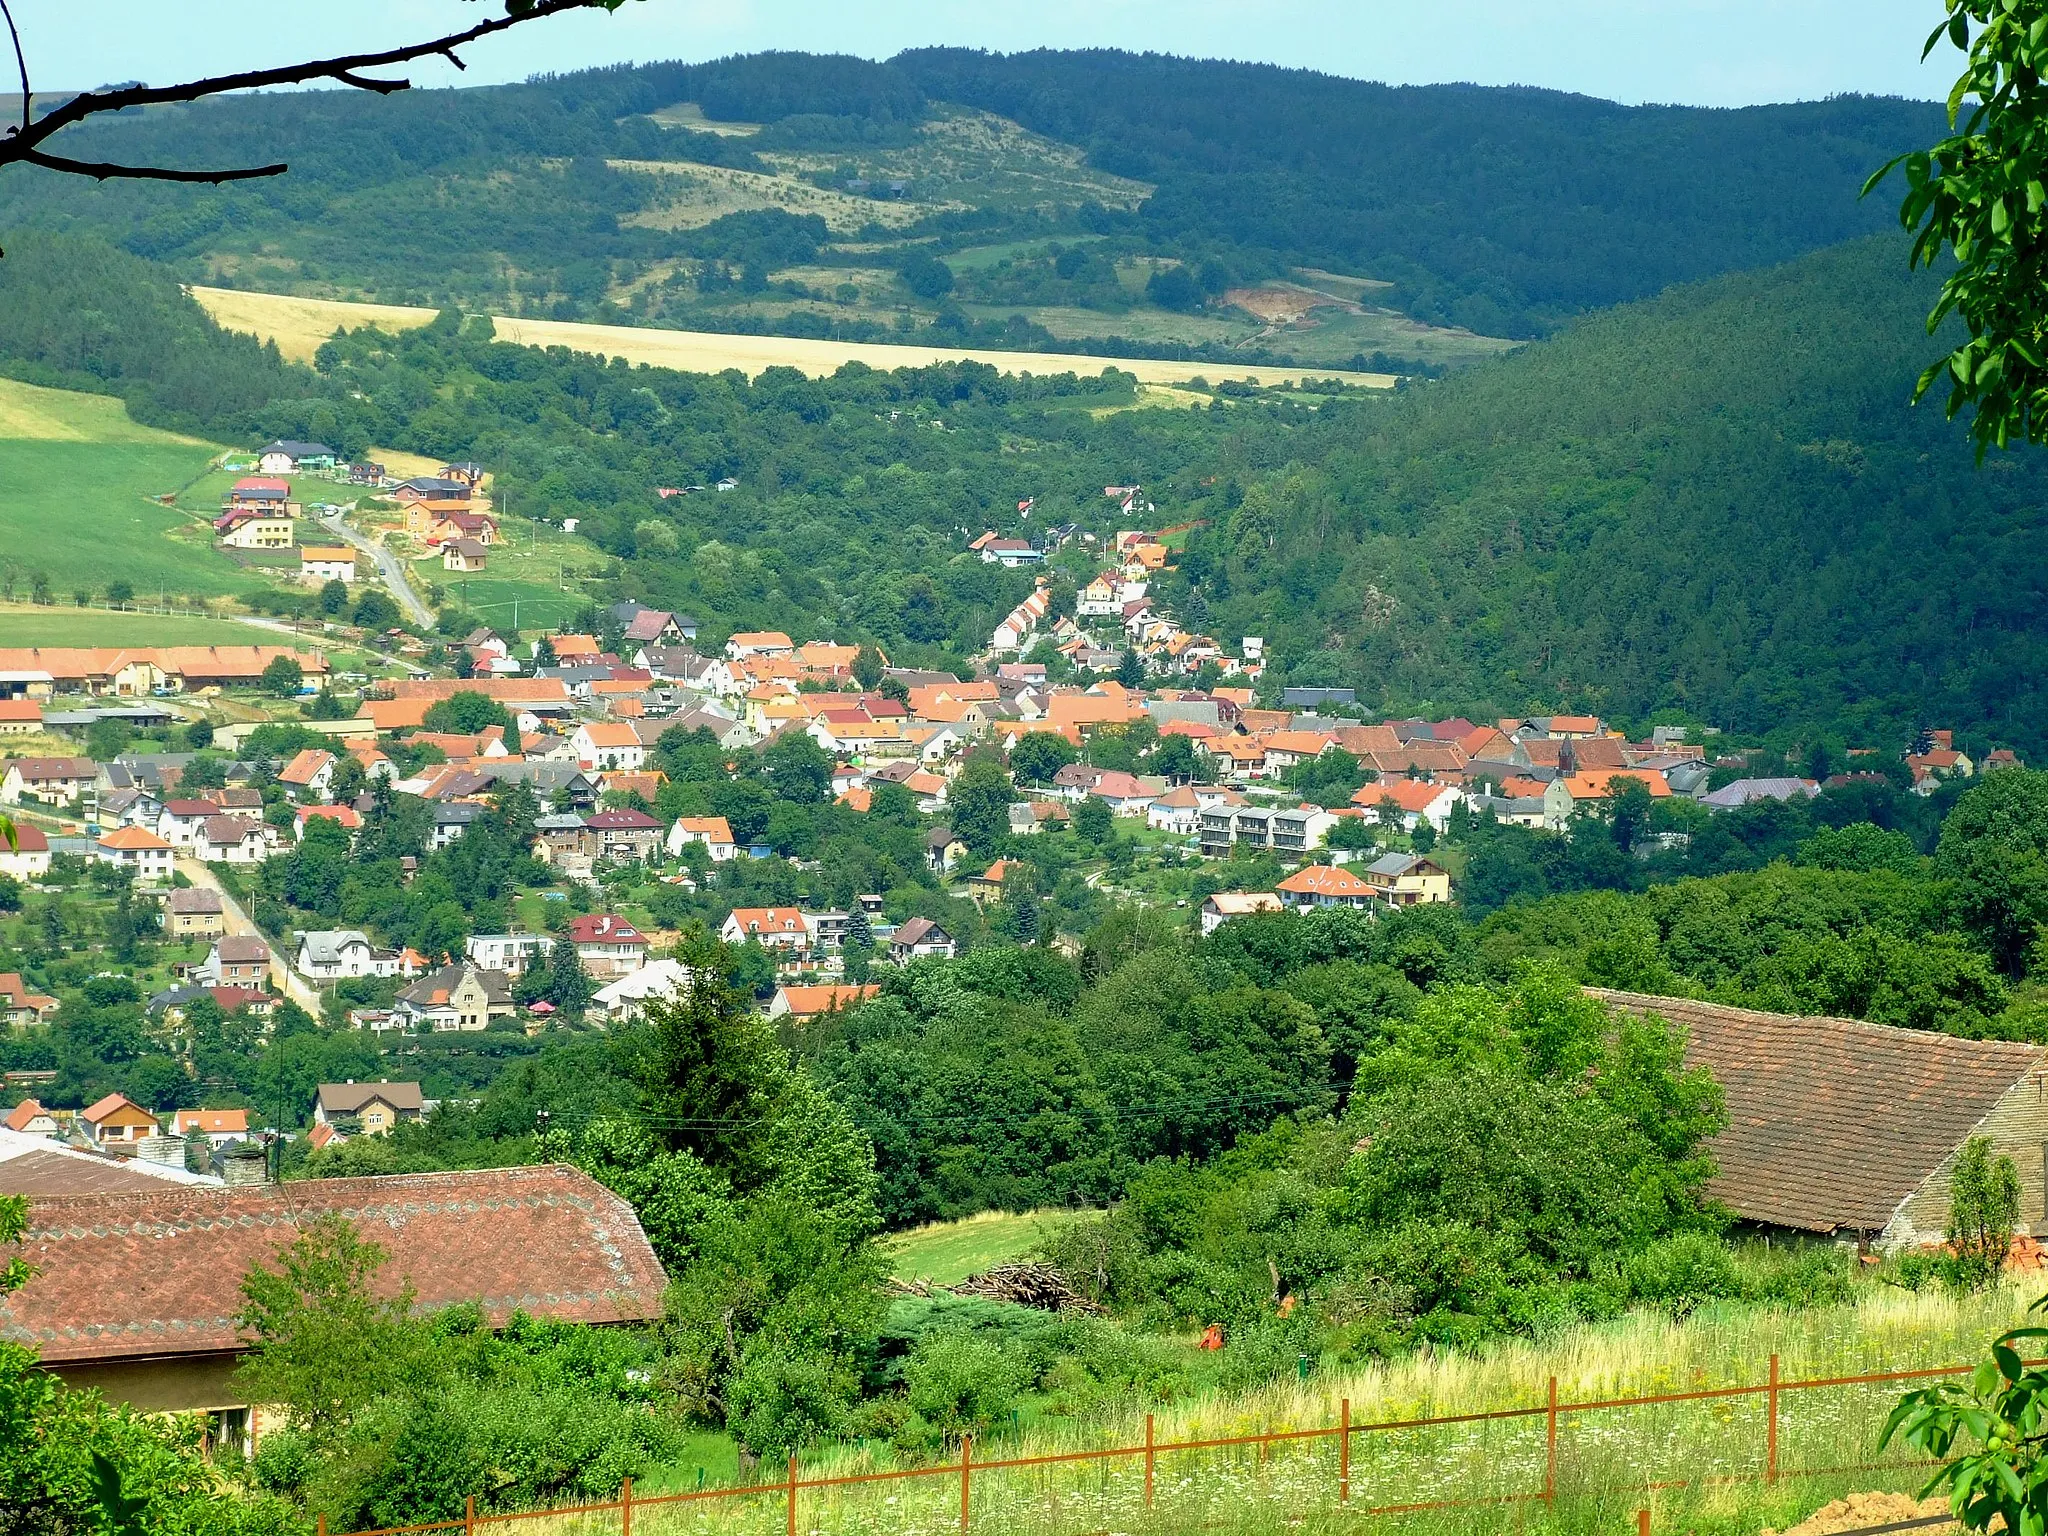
point(1610, 1462)
point(947, 1252)
point(299, 325)
point(21, 624)
point(76, 478)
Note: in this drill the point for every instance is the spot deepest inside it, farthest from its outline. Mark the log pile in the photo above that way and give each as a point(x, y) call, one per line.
point(1026, 1285)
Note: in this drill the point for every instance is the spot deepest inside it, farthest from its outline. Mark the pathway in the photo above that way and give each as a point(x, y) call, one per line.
point(289, 981)
point(393, 568)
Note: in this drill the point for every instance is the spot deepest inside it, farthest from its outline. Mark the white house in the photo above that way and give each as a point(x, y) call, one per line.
point(714, 832)
point(624, 998)
point(771, 927)
point(231, 840)
point(139, 851)
point(609, 745)
point(327, 562)
point(512, 953)
point(29, 858)
point(1224, 905)
point(329, 954)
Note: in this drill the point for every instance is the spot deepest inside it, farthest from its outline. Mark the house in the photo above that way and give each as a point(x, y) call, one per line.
point(456, 997)
point(1284, 749)
point(194, 914)
point(180, 821)
point(548, 1241)
point(625, 835)
point(512, 953)
point(448, 523)
point(29, 1118)
point(471, 475)
point(50, 780)
point(919, 937)
point(1324, 885)
point(562, 841)
point(310, 772)
point(657, 981)
point(942, 850)
point(24, 717)
point(607, 945)
point(1742, 792)
point(605, 744)
point(452, 818)
point(253, 530)
point(29, 858)
point(713, 832)
point(140, 852)
point(236, 960)
point(1850, 1130)
point(1125, 793)
point(463, 555)
point(116, 1123)
point(260, 493)
point(1224, 905)
point(651, 626)
point(220, 1127)
point(281, 458)
point(377, 1106)
point(330, 954)
point(802, 1004)
point(771, 927)
point(1010, 553)
point(231, 840)
point(429, 494)
point(327, 562)
point(765, 642)
point(1409, 802)
point(1405, 880)
point(347, 817)
point(18, 1005)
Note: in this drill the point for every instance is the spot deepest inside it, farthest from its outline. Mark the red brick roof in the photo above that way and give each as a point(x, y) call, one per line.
point(1833, 1123)
point(127, 1275)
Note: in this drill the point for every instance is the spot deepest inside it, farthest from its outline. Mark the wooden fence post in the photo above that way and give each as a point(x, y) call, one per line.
point(320, 1525)
point(792, 1493)
point(626, 1508)
point(1550, 1446)
point(1771, 1427)
point(469, 1516)
point(1150, 1456)
point(1344, 1451)
point(966, 1479)
point(1642, 1522)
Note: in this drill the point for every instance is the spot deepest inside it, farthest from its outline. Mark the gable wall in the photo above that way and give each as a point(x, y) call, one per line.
point(2018, 1128)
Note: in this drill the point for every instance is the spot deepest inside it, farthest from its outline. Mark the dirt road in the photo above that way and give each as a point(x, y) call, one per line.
point(282, 976)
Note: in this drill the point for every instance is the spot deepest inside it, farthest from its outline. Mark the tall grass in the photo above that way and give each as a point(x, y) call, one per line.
point(1609, 1461)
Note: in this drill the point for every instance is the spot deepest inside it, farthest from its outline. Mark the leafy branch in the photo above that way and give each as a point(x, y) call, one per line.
point(2001, 1409)
point(24, 142)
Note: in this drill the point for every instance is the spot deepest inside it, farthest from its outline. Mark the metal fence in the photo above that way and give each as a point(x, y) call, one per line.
point(966, 1473)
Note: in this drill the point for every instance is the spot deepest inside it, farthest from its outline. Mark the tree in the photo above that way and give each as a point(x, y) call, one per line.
point(979, 803)
point(1628, 810)
point(1092, 821)
point(710, 1073)
point(334, 596)
point(1994, 851)
point(283, 676)
point(464, 713)
point(867, 667)
point(569, 985)
point(1038, 755)
point(120, 593)
point(326, 706)
point(544, 653)
point(798, 769)
point(1130, 669)
point(199, 735)
point(1983, 1211)
point(324, 1347)
point(25, 143)
point(374, 610)
point(1978, 195)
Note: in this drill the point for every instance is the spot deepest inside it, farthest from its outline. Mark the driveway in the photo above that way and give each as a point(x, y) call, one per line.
point(288, 981)
point(393, 568)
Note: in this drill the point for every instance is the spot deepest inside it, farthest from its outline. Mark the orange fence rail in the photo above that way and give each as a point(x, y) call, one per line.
point(793, 1485)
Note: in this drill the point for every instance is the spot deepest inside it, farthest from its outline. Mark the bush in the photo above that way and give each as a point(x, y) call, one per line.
point(1681, 1271)
point(960, 1385)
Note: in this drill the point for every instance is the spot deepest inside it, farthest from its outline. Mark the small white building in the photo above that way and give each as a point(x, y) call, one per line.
point(512, 953)
point(1224, 905)
point(141, 852)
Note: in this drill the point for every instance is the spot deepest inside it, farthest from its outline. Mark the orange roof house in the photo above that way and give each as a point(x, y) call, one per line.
point(1322, 885)
point(1599, 783)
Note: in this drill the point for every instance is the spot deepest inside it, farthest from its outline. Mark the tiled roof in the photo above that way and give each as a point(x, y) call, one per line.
point(1324, 880)
point(1832, 1123)
point(125, 1275)
point(348, 1098)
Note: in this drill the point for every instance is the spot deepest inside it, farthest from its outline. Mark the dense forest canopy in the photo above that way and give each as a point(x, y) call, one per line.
point(1505, 211)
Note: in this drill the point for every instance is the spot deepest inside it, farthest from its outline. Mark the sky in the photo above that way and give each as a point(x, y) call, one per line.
point(1721, 53)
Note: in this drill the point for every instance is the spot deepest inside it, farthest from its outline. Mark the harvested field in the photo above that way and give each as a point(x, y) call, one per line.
point(300, 325)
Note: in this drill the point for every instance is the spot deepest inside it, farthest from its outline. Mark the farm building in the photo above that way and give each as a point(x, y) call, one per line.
point(548, 1240)
point(1849, 1129)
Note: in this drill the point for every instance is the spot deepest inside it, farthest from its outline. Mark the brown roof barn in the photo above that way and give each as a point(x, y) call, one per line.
point(136, 1293)
point(1839, 1126)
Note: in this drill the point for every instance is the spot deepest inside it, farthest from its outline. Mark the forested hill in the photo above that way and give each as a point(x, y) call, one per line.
point(1504, 211)
point(1717, 501)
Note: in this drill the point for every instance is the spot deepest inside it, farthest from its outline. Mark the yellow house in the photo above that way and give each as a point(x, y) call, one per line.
point(1404, 880)
point(257, 533)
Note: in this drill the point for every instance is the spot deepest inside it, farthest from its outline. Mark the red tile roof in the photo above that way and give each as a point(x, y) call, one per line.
point(125, 1275)
point(1833, 1123)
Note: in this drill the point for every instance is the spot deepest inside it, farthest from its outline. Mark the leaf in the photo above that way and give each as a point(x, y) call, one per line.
point(2008, 1359)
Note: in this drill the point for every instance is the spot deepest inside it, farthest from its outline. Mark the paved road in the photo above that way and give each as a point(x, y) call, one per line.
point(392, 567)
point(290, 982)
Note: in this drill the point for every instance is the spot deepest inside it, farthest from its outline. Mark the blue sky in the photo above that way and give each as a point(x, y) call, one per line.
point(1705, 52)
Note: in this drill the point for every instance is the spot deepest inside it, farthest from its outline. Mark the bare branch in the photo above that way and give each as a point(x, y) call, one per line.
point(103, 171)
point(20, 58)
point(20, 144)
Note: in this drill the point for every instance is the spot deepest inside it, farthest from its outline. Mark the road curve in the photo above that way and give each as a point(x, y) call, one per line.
point(293, 985)
point(392, 567)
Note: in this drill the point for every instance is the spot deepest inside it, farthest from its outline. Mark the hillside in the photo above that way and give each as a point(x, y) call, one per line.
point(1716, 502)
point(1086, 201)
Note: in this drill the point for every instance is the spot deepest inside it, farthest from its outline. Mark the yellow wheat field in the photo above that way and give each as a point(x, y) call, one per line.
point(300, 325)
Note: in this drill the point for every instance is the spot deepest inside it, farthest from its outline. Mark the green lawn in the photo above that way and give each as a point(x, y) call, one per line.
point(22, 625)
point(529, 567)
point(949, 1251)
